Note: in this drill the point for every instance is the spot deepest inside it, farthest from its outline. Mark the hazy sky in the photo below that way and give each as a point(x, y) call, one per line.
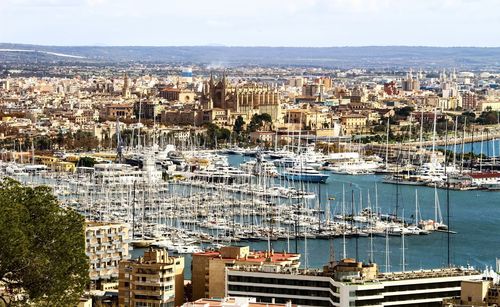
point(251, 22)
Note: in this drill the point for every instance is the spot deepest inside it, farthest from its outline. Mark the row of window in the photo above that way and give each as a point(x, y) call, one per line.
point(288, 291)
point(409, 297)
point(144, 304)
point(436, 285)
point(277, 300)
point(278, 281)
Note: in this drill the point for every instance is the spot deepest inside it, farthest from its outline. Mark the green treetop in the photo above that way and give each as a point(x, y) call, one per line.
point(42, 258)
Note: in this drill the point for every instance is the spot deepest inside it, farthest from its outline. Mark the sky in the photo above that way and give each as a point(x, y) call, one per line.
point(308, 23)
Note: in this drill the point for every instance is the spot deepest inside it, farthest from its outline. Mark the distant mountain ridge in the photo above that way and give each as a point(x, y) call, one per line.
point(342, 57)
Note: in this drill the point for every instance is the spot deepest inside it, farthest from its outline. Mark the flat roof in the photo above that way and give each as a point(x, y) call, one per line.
point(257, 256)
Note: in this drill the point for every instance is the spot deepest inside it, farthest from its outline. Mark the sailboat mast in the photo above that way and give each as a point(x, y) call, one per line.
point(352, 222)
point(421, 134)
point(455, 143)
point(403, 266)
point(463, 146)
point(319, 207)
point(448, 218)
point(344, 253)
point(434, 134)
point(387, 145)
point(387, 259)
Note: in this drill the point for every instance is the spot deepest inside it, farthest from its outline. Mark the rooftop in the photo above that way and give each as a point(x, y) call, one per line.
point(485, 175)
point(230, 302)
point(242, 253)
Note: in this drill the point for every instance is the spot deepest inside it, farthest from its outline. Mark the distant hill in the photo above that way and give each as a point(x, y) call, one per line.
point(342, 57)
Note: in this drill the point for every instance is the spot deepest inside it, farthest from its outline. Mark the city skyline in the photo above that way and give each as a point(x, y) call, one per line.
point(315, 23)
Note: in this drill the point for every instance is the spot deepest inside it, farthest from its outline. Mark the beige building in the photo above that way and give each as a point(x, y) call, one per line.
point(106, 244)
point(152, 280)
point(118, 110)
point(179, 117)
point(239, 100)
point(314, 119)
point(208, 268)
point(353, 123)
point(175, 94)
point(479, 292)
point(490, 105)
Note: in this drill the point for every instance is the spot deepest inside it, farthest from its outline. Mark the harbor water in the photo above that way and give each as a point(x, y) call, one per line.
point(473, 215)
point(488, 148)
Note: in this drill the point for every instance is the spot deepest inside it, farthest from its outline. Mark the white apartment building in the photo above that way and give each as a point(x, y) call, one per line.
point(106, 244)
point(353, 285)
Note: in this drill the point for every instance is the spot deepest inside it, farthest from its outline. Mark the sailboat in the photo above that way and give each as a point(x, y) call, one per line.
point(414, 228)
point(436, 224)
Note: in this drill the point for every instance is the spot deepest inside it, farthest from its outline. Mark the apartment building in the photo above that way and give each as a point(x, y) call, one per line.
point(106, 244)
point(208, 268)
point(152, 280)
point(348, 283)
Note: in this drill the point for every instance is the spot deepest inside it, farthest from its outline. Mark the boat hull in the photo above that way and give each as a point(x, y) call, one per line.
point(307, 178)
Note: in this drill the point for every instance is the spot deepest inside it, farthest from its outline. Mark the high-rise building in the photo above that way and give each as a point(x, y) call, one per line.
point(296, 82)
point(106, 245)
point(469, 101)
point(152, 280)
point(312, 89)
point(410, 84)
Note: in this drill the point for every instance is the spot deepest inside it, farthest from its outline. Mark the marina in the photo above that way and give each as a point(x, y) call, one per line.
point(346, 216)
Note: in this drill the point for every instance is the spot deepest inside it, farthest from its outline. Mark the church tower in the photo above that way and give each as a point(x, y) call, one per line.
point(125, 88)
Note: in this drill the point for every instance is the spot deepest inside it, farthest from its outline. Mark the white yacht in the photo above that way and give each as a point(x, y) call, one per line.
point(263, 168)
point(353, 167)
point(304, 173)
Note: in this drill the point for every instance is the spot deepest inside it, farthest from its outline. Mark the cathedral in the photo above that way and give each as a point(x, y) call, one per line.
point(240, 100)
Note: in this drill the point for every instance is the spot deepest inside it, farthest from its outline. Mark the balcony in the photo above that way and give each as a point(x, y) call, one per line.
point(153, 283)
point(156, 293)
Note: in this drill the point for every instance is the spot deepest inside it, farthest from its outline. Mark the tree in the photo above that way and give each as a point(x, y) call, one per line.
point(42, 259)
point(215, 132)
point(60, 139)
point(223, 134)
point(488, 118)
point(258, 121)
point(86, 162)
point(404, 111)
point(43, 143)
point(85, 140)
point(238, 125)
